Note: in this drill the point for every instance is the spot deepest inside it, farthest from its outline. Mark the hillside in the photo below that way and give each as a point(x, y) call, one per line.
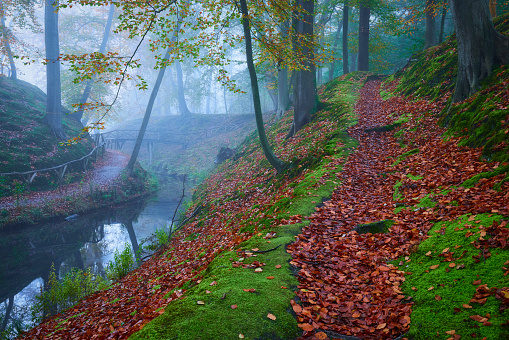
point(389, 225)
point(27, 143)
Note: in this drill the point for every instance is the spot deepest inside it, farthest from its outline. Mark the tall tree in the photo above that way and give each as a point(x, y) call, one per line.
point(53, 116)
point(363, 57)
point(336, 42)
point(430, 32)
point(442, 22)
point(346, 9)
point(480, 46)
point(304, 90)
point(183, 109)
point(278, 164)
point(283, 95)
point(78, 115)
point(6, 36)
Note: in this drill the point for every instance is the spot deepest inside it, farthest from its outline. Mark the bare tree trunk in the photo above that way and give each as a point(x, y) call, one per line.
point(207, 107)
point(7, 314)
point(335, 49)
point(184, 111)
point(269, 154)
point(6, 35)
point(304, 91)
point(346, 9)
point(442, 24)
point(53, 86)
point(363, 58)
point(78, 115)
point(430, 34)
point(283, 96)
point(480, 46)
point(146, 117)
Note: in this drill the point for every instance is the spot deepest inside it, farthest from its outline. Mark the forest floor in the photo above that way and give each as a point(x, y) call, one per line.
point(102, 179)
point(439, 270)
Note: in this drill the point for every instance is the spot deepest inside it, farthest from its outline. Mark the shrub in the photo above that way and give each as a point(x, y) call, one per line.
point(122, 264)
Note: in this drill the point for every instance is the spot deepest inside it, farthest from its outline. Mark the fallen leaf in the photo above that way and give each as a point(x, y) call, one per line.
point(278, 266)
point(305, 326)
point(452, 265)
point(321, 335)
point(431, 288)
point(213, 283)
point(257, 270)
point(271, 316)
point(435, 266)
point(297, 308)
point(241, 336)
point(270, 277)
point(200, 302)
point(208, 292)
point(234, 306)
point(381, 326)
point(451, 332)
point(466, 306)
point(438, 297)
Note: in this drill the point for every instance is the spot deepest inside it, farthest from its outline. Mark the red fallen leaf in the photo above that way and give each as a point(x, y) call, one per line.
point(321, 335)
point(297, 308)
point(270, 277)
point(438, 297)
point(234, 306)
point(435, 266)
point(278, 266)
point(478, 318)
point(305, 326)
point(283, 287)
point(251, 290)
point(356, 314)
point(487, 323)
point(383, 268)
point(213, 283)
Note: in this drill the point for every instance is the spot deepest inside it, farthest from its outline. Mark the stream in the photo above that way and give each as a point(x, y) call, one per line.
point(27, 253)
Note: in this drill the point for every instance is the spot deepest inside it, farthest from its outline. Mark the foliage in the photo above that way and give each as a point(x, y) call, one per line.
point(63, 294)
point(122, 264)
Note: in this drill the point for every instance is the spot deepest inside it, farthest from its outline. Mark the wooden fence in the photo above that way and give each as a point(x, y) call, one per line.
point(29, 176)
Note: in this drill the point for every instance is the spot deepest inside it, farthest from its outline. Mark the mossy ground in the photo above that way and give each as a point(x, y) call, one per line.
point(314, 179)
point(442, 294)
point(27, 143)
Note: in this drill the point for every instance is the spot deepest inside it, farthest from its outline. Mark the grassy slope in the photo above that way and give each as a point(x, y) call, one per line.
point(27, 143)
point(317, 154)
point(445, 297)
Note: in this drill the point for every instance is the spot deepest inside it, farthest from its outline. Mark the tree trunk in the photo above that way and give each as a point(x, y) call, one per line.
point(283, 95)
point(304, 91)
point(335, 49)
point(430, 34)
point(7, 314)
point(184, 111)
point(273, 160)
point(207, 107)
point(78, 115)
point(7, 44)
point(53, 116)
point(346, 9)
point(442, 24)
point(480, 46)
point(363, 58)
point(146, 117)
point(493, 8)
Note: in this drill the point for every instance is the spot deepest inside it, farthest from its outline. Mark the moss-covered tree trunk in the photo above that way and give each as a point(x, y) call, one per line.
point(53, 116)
point(480, 46)
point(269, 154)
point(363, 58)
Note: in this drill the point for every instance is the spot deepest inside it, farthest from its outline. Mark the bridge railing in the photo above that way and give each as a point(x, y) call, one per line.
point(29, 176)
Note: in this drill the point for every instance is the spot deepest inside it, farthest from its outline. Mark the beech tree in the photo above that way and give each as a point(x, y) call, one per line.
point(363, 58)
point(53, 115)
point(430, 32)
point(480, 46)
point(6, 37)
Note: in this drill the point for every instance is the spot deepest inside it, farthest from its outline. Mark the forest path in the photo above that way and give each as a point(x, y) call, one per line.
point(106, 171)
point(346, 285)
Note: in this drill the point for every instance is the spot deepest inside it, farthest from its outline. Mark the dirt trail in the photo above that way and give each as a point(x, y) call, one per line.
point(346, 285)
point(104, 174)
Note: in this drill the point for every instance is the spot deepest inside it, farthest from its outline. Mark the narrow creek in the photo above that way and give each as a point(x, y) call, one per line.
point(27, 253)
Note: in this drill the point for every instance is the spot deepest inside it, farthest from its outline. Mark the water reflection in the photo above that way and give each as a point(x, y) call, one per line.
point(27, 253)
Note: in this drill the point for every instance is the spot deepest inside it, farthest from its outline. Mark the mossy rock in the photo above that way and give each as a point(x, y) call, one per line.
point(380, 227)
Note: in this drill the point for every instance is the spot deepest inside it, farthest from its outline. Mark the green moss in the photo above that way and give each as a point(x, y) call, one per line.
point(495, 172)
point(440, 294)
point(215, 319)
point(405, 155)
